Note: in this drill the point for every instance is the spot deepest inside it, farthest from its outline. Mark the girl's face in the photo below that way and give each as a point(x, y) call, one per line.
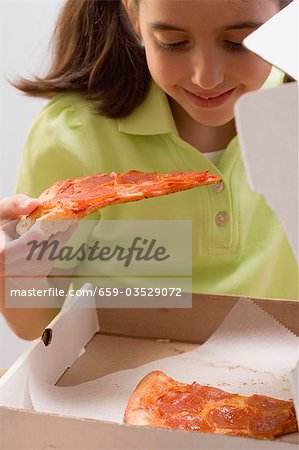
point(194, 51)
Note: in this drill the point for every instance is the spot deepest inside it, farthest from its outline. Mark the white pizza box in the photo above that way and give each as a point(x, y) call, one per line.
point(267, 122)
point(83, 344)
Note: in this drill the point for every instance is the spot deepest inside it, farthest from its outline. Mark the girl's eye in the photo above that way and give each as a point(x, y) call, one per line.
point(176, 46)
point(235, 46)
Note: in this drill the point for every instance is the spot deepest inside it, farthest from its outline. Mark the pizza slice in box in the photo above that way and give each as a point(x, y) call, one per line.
point(160, 401)
point(76, 198)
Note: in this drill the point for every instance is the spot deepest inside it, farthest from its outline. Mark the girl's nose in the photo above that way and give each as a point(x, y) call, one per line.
point(208, 71)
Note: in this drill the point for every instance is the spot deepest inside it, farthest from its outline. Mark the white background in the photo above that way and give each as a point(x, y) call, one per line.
point(25, 30)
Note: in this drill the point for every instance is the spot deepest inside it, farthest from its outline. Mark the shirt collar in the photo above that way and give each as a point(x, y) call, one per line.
point(274, 79)
point(152, 116)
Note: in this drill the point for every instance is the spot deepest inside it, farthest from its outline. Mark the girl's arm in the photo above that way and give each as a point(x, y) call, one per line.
point(17, 273)
point(29, 323)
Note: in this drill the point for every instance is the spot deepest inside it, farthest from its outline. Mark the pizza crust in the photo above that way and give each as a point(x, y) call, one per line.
point(147, 391)
point(48, 225)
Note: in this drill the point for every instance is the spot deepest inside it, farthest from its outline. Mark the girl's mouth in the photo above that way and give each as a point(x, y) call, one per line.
point(209, 102)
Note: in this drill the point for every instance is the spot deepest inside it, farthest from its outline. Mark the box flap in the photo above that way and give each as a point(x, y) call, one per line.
point(194, 324)
point(267, 124)
point(70, 331)
point(277, 40)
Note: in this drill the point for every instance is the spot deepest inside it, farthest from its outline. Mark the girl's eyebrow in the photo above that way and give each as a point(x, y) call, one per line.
point(238, 26)
point(165, 26)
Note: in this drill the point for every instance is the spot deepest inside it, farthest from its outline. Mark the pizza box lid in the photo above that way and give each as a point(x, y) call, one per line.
point(267, 122)
point(52, 360)
point(276, 41)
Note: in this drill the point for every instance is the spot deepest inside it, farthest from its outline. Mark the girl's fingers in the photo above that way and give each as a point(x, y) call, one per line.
point(23, 249)
point(15, 206)
point(20, 248)
point(9, 228)
point(22, 257)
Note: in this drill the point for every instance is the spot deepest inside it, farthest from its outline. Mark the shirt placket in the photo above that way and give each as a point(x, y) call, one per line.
point(221, 218)
point(217, 220)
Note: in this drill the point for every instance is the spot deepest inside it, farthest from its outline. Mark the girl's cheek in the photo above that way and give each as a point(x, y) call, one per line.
point(165, 68)
point(160, 67)
point(254, 72)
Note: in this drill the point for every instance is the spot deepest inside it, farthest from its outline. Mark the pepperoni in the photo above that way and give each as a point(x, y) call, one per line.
point(210, 393)
point(177, 401)
point(271, 423)
point(137, 177)
point(188, 422)
point(261, 401)
point(86, 188)
point(230, 417)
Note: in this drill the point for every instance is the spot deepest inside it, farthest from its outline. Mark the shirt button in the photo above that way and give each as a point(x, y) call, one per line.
point(221, 218)
point(218, 186)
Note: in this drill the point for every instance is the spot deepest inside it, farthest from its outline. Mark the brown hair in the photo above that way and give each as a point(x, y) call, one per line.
point(97, 53)
point(284, 3)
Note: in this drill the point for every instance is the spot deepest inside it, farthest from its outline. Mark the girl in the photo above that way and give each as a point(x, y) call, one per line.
point(151, 85)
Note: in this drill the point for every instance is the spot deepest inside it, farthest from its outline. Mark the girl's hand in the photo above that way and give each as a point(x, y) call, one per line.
point(14, 250)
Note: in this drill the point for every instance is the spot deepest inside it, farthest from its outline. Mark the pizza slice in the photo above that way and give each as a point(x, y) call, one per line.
point(160, 401)
point(76, 198)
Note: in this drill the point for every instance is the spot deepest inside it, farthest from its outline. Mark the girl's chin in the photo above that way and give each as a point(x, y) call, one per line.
point(211, 121)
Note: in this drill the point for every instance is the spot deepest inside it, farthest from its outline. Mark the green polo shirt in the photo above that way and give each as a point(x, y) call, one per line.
point(238, 245)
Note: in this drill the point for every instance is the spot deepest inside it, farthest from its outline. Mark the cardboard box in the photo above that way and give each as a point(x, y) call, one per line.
point(127, 339)
point(267, 122)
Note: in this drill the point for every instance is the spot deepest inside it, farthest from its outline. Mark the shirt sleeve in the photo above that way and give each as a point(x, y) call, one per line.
point(56, 148)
